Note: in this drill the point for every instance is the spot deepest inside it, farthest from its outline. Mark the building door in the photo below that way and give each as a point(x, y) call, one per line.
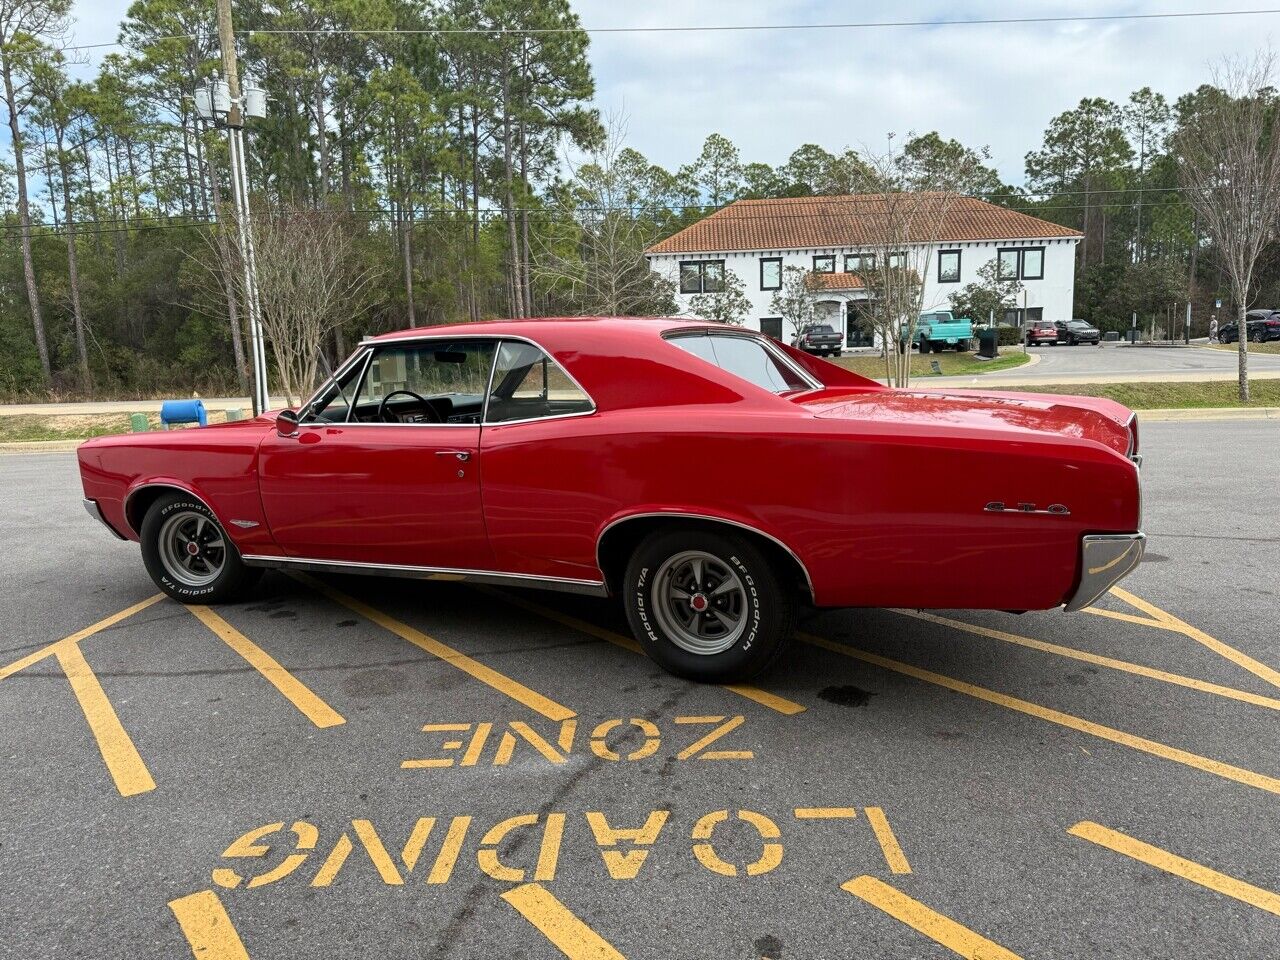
point(771, 327)
point(856, 332)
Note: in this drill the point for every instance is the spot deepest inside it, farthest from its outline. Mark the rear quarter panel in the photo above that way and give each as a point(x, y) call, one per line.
point(880, 515)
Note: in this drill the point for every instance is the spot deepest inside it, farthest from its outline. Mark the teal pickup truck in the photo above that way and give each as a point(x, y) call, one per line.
point(941, 329)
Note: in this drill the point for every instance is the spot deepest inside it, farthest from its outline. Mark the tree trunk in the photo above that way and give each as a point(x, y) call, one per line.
point(73, 264)
point(322, 141)
point(406, 229)
point(1242, 346)
point(516, 285)
point(24, 221)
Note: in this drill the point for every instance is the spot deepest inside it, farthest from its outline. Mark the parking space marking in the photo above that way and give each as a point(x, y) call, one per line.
point(1125, 666)
point(207, 927)
point(1178, 866)
point(557, 923)
point(763, 697)
point(52, 648)
point(1184, 757)
point(825, 813)
point(487, 675)
point(1163, 620)
point(893, 855)
point(118, 752)
point(938, 928)
point(293, 689)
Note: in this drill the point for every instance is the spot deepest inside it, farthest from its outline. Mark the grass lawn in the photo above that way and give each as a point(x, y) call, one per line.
point(953, 364)
point(75, 427)
point(1169, 396)
point(1273, 347)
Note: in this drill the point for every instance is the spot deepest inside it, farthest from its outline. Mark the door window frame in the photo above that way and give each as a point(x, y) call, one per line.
point(364, 355)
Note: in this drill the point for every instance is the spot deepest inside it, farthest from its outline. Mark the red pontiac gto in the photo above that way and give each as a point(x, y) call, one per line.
point(709, 476)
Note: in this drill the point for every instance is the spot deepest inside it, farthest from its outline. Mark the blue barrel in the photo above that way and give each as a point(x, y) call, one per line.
point(182, 411)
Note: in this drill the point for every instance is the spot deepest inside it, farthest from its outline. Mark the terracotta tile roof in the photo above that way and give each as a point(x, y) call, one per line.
point(836, 281)
point(806, 223)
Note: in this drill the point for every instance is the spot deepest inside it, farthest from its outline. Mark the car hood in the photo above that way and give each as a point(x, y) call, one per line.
point(1084, 418)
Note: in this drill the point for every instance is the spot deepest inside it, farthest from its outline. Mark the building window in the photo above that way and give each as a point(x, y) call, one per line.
point(1020, 263)
point(824, 263)
point(859, 262)
point(771, 273)
point(702, 276)
point(771, 327)
point(897, 261)
point(948, 266)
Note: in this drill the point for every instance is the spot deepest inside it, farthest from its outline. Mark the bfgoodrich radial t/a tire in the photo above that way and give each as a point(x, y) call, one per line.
point(189, 555)
point(707, 606)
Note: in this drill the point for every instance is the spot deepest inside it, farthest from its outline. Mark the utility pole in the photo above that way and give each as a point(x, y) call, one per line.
point(234, 122)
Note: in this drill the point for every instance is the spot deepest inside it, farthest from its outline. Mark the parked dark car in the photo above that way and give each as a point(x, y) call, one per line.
point(1041, 332)
point(821, 338)
point(1262, 325)
point(1072, 332)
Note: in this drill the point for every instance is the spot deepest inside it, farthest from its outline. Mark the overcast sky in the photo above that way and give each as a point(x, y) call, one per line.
point(771, 90)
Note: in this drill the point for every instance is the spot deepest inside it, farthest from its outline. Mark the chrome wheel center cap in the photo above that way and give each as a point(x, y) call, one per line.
point(193, 548)
point(698, 602)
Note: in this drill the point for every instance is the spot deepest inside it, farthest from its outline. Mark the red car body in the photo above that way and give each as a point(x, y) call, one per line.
point(877, 496)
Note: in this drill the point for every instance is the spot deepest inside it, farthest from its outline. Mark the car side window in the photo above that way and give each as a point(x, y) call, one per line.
point(529, 385)
point(333, 402)
point(745, 357)
point(427, 381)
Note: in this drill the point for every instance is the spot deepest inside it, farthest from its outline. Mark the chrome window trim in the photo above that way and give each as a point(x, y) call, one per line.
point(595, 588)
point(373, 345)
point(705, 516)
point(360, 353)
point(767, 342)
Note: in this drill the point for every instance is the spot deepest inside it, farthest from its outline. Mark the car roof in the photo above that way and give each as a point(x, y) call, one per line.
point(533, 326)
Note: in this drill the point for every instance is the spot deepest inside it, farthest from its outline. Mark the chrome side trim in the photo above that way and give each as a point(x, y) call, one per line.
point(593, 588)
point(91, 506)
point(702, 516)
point(1105, 559)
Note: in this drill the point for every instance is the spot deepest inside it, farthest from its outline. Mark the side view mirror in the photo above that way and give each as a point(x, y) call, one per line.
point(287, 423)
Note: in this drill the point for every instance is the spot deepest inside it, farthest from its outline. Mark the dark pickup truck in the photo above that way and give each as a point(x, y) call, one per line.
point(821, 338)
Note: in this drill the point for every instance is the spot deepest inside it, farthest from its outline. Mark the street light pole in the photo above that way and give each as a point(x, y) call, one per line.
point(234, 122)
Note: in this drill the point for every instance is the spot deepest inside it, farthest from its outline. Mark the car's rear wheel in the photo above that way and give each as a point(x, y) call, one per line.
point(707, 606)
point(189, 555)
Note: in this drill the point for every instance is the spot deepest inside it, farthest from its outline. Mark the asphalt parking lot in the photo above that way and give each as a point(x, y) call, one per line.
point(350, 767)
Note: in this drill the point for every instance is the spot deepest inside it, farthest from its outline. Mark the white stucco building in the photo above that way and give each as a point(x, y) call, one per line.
point(757, 239)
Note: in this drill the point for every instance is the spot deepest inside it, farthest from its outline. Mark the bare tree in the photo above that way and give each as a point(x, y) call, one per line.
point(794, 300)
point(608, 218)
point(311, 280)
point(1229, 159)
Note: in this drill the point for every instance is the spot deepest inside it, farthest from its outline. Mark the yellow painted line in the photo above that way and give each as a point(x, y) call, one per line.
point(1195, 761)
point(825, 813)
point(943, 930)
point(500, 682)
point(1125, 666)
point(889, 846)
point(1178, 866)
point(1126, 617)
point(118, 752)
point(293, 689)
point(571, 936)
point(207, 927)
point(1171, 622)
point(762, 697)
point(51, 649)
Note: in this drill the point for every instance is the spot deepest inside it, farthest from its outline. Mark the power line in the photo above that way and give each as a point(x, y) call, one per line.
point(726, 27)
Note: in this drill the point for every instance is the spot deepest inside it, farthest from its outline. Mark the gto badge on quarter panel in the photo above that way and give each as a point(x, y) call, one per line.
point(1054, 509)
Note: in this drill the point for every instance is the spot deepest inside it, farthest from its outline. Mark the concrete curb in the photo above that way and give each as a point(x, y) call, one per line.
point(39, 446)
point(1211, 413)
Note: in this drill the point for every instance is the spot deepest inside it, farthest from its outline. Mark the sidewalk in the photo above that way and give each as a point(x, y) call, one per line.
point(123, 406)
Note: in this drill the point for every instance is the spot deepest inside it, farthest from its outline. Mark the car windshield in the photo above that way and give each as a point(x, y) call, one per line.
point(743, 356)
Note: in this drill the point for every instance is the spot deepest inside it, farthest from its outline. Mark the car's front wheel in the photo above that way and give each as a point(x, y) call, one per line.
point(707, 606)
point(189, 555)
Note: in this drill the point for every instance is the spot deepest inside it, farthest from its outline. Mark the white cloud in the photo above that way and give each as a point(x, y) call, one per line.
point(770, 91)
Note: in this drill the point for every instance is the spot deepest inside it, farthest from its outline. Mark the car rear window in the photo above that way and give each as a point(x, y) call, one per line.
point(822, 328)
point(743, 356)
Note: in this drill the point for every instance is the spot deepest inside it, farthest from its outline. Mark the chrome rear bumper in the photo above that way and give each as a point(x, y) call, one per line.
point(1105, 559)
point(91, 507)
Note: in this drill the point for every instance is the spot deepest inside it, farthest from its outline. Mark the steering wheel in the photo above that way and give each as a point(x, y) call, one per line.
point(432, 415)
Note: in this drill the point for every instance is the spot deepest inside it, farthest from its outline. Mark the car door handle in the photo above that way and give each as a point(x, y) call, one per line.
point(463, 455)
